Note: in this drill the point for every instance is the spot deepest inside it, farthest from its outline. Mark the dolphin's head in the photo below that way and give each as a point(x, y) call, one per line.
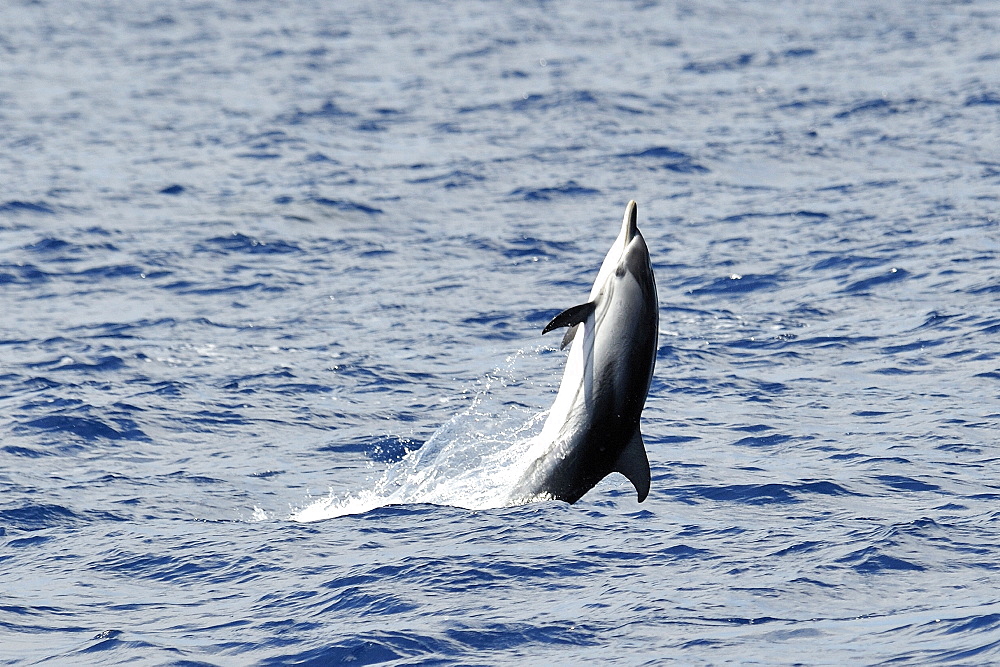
point(628, 249)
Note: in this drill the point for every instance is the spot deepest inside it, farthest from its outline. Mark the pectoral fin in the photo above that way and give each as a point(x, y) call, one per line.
point(568, 338)
point(632, 463)
point(571, 316)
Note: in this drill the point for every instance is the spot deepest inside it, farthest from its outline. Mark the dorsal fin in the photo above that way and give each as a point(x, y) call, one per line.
point(632, 463)
point(571, 316)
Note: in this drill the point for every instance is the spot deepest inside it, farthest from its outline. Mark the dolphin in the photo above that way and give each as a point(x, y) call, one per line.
point(592, 428)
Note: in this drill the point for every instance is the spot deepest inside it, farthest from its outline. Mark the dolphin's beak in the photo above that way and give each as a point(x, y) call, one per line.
point(630, 224)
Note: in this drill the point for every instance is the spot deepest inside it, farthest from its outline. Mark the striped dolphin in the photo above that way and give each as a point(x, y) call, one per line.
point(592, 428)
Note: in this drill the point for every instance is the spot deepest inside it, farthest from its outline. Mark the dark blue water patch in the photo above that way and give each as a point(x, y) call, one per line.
point(878, 104)
point(988, 98)
point(174, 189)
point(757, 494)
point(673, 439)
point(568, 189)
point(259, 156)
point(738, 285)
point(258, 379)
point(685, 167)
point(191, 564)
point(847, 262)
point(801, 52)
point(569, 99)
point(23, 274)
point(49, 245)
point(496, 45)
point(722, 65)
point(109, 272)
point(675, 160)
point(763, 342)
point(211, 419)
point(507, 636)
point(371, 125)
point(685, 552)
point(910, 347)
point(109, 641)
point(167, 568)
point(346, 205)
point(991, 286)
point(763, 440)
point(329, 111)
point(806, 104)
point(356, 602)
point(163, 388)
point(893, 275)
point(31, 516)
point(102, 365)
point(184, 287)
point(299, 388)
point(658, 153)
point(753, 428)
point(976, 655)
point(529, 246)
point(870, 561)
point(984, 623)
point(241, 243)
point(742, 217)
point(17, 206)
point(48, 404)
point(27, 542)
point(369, 649)
point(185, 476)
point(937, 320)
point(457, 178)
point(39, 383)
point(901, 483)
point(876, 107)
point(263, 141)
point(821, 342)
point(87, 428)
point(121, 330)
point(267, 474)
point(799, 548)
point(26, 452)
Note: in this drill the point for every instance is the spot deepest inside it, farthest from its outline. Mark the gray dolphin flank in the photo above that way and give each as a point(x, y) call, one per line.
point(592, 428)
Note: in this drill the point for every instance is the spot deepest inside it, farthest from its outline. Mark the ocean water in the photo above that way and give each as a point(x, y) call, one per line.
point(272, 283)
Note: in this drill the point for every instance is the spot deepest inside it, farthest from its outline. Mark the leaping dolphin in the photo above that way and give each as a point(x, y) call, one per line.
point(592, 429)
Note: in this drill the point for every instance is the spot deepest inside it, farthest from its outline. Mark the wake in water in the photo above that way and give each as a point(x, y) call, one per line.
point(473, 461)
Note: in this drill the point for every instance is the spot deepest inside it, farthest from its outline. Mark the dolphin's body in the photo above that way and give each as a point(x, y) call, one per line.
point(592, 428)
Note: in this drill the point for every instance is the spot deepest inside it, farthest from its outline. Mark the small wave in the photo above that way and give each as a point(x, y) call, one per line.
point(241, 243)
point(346, 205)
point(34, 516)
point(88, 429)
point(891, 276)
point(17, 206)
point(568, 189)
point(724, 65)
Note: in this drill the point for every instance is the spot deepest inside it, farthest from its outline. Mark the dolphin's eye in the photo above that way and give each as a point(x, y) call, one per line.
point(620, 271)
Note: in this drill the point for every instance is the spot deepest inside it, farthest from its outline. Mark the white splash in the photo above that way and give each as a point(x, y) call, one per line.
point(473, 461)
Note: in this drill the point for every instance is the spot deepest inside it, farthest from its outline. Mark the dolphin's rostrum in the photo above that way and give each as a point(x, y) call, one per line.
point(592, 428)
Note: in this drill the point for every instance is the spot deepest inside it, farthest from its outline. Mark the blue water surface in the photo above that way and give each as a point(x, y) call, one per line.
point(272, 283)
